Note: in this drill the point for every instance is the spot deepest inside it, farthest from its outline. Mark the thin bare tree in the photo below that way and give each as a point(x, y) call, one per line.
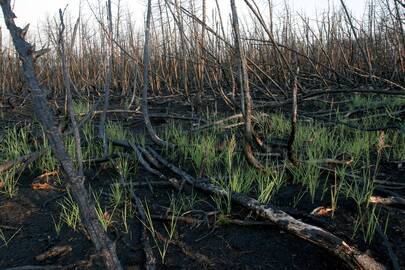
point(108, 78)
point(146, 62)
point(246, 99)
point(105, 248)
point(69, 98)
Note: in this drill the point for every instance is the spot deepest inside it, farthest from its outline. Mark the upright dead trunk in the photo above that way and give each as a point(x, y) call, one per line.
point(246, 102)
point(107, 83)
point(183, 55)
point(75, 182)
point(146, 61)
point(66, 82)
point(290, 151)
point(201, 55)
point(401, 34)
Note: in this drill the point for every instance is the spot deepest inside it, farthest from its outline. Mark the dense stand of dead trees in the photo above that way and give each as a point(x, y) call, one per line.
point(337, 51)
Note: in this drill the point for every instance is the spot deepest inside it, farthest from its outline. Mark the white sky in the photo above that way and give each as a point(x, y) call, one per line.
point(36, 11)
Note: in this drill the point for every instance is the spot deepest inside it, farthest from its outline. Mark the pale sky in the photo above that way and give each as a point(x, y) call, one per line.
point(36, 11)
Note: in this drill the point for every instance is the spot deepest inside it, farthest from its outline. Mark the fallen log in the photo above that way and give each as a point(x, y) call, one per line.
point(56, 251)
point(353, 257)
point(388, 201)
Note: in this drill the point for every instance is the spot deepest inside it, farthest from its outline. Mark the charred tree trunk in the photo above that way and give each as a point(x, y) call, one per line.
point(290, 151)
point(146, 61)
point(244, 89)
point(66, 82)
point(107, 83)
point(75, 182)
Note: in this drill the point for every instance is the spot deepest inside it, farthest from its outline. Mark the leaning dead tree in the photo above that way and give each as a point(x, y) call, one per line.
point(105, 248)
point(144, 103)
point(246, 99)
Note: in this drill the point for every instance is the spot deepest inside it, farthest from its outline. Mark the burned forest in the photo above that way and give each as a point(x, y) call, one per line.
point(235, 134)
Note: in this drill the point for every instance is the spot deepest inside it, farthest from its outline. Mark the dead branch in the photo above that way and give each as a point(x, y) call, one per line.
point(56, 251)
point(69, 98)
point(108, 78)
point(389, 201)
point(186, 250)
point(20, 160)
point(150, 262)
point(144, 102)
point(246, 99)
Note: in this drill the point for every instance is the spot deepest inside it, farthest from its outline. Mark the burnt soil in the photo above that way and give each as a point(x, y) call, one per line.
point(28, 219)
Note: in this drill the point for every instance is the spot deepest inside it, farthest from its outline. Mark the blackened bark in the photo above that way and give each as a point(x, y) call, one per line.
point(144, 103)
point(75, 182)
point(246, 99)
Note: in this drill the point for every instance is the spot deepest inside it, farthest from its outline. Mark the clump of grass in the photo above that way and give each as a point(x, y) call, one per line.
point(203, 153)
point(307, 174)
point(81, 107)
point(6, 240)
point(276, 125)
point(269, 184)
point(241, 180)
point(47, 162)
point(163, 246)
point(360, 190)
point(117, 195)
point(223, 204)
point(116, 131)
point(104, 217)
point(187, 202)
point(9, 181)
point(367, 222)
point(140, 139)
point(15, 143)
point(359, 101)
point(70, 213)
point(397, 145)
point(340, 175)
point(374, 101)
point(124, 167)
point(92, 147)
point(125, 214)
point(179, 137)
point(71, 147)
point(57, 225)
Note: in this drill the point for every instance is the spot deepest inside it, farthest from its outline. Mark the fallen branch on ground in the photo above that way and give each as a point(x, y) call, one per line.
point(186, 250)
point(389, 201)
point(150, 262)
point(324, 239)
point(20, 160)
